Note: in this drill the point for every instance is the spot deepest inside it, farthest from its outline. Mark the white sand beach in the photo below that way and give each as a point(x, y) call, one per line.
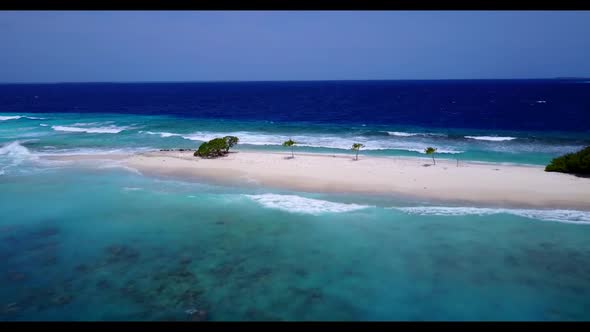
point(470, 183)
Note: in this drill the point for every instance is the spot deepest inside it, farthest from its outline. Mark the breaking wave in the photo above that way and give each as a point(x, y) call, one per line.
point(298, 204)
point(405, 134)
point(15, 150)
point(92, 130)
point(492, 138)
point(13, 154)
point(162, 134)
point(565, 216)
point(16, 117)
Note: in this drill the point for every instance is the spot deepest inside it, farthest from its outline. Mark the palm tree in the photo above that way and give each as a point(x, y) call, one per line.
point(431, 150)
point(290, 144)
point(356, 147)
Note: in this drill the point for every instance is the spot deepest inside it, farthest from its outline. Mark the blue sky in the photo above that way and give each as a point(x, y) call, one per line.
point(291, 45)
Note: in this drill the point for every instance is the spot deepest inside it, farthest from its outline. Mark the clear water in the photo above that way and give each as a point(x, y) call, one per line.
point(94, 241)
point(108, 244)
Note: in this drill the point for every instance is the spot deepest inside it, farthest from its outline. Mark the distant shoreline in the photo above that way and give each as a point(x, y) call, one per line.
point(488, 184)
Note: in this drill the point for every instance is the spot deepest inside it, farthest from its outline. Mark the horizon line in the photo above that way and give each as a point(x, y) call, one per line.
point(318, 80)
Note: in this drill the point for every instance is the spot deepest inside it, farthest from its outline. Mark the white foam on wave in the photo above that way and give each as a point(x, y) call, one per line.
point(16, 117)
point(92, 130)
point(565, 216)
point(298, 204)
point(315, 141)
point(43, 125)
point(6, 118)
point(13, 154)
point(15, 149)
point(162, 134)
point(492, 138)
point(405, 134)
point(82, 124)
point(402, 134)
point(421, 150)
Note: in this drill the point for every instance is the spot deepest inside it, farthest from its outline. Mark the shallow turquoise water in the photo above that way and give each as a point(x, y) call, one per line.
point(99, 242)
point(89, 244)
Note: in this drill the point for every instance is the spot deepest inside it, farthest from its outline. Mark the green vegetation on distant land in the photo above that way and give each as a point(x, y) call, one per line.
point(290, 143)
point(216, 147)
point(431, 151)
point(573, 163)
point(356, 147)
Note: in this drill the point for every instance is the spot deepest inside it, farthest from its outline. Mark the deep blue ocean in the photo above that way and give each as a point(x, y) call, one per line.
point(531, 105)
point(98, 241)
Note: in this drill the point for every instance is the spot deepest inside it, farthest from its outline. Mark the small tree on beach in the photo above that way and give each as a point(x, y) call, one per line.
point(290, 143)
point(203, 150)
point(230, 141)
point(430, 150)
point(356, 147)
point(216, 147)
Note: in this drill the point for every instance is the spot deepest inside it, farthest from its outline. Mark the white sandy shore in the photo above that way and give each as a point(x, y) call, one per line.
point(470, 183)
